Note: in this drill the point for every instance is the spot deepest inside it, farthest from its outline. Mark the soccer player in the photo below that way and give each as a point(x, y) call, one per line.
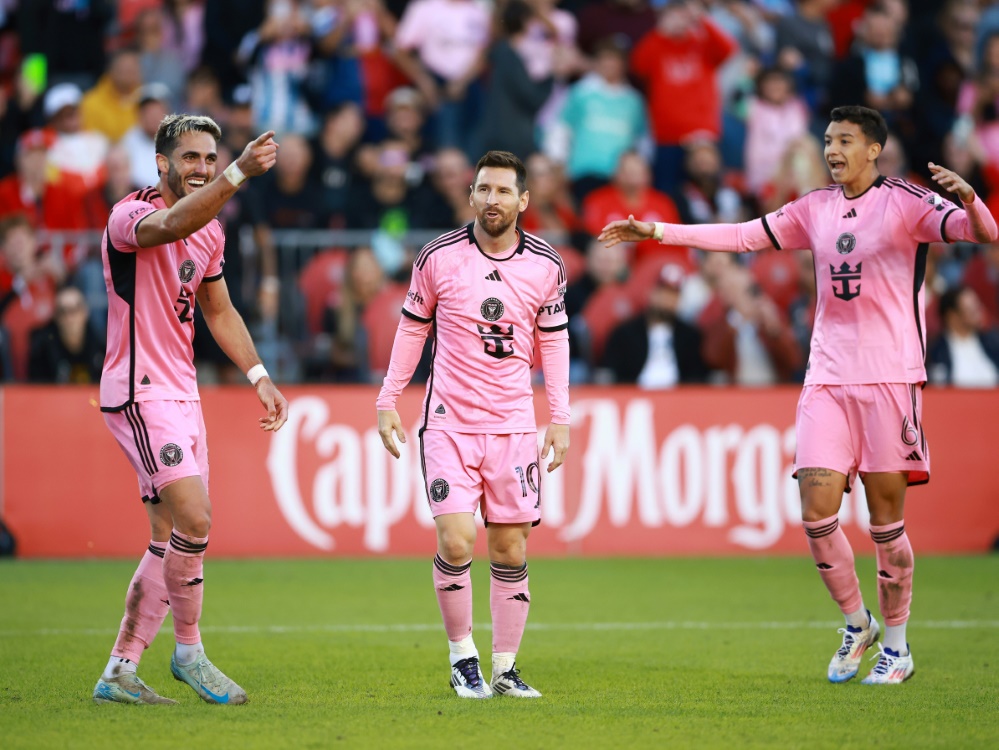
point(486, 291)
point(162, 251)
point(859, 410)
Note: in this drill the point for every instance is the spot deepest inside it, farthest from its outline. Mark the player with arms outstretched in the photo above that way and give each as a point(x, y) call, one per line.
point(163, 252)
point(859, 410)
point(485, 290)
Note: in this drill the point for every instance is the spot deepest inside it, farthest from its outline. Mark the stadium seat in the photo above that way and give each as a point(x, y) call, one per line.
point(320, 282)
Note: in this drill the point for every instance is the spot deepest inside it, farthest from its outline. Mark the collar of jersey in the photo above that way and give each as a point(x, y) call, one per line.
point(878, 182)
point(518, 251)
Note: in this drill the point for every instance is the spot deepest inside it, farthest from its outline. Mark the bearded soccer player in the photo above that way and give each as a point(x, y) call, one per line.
point(163, 253)
point(486, 291)
point(859, 410)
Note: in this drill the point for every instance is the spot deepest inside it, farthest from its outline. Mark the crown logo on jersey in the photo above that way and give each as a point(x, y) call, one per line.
point(186, 271)
point(844, 275)
point(845, 243)
point(492, 309)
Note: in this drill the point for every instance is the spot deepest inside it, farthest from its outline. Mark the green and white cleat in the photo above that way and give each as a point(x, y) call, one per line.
point(128, 688)
point(208, 681)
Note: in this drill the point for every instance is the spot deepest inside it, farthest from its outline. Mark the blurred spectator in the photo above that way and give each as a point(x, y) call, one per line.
point(701, 286)
point(335, 158)
point(982, 276)
point(776, 117)
point(549, 211)
point(447, 204)
point(231, 31)
point(278, 66)
point(677, 62)
point(802, 168)
point(404, 149)
point(109, 107)
point(602, 117)
point(28, 302)
point(626, 21)
point(512, 97)
point(441, 45)
point(139, 141)
point(876, 74)
point(631, 193)
point(18, 106)
point(805, 47)
point(67, 350)
point(203, 96)
point(978, 102)
point(289, 194)
point(117, 184)
point(746, 339)
point(184, 31)
point(77, 154)
point(548, 49)
point(704, 198)
point(70, 35)
point(386, 206)
point(966, 354)
point(655, 349)
point(801, 313)
point(160, 63)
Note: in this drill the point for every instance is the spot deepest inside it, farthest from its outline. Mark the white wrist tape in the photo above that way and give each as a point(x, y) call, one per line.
point(657, 233)
point(255, 373)
point(234, 174)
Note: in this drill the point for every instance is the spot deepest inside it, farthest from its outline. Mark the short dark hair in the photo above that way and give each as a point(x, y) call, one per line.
point(949, 300)
point(503, 160)
point(871, 123)
point(172, 127)
point(12, 222)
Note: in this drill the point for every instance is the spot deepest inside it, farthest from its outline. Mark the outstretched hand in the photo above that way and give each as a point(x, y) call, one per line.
point(631, 230)
point(259, 155)
point(952, 182)
point(275, 403)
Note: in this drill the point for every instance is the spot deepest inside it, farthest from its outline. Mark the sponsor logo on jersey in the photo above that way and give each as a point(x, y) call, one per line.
point(844, 275)
point(171, 454)
point(415, 296)
point(439, 490)
point(845, 243)
point(186, 271)
point(492, 309)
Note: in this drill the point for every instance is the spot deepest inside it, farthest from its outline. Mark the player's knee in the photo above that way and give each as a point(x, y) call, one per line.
point(194, 524)
point(455, 548)
point(508, 551)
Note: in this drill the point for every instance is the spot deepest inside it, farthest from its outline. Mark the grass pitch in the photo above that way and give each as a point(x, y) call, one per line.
point(628, 653)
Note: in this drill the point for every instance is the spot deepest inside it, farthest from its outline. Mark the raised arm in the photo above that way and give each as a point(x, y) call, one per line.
point(733, 238)
point(976, 223)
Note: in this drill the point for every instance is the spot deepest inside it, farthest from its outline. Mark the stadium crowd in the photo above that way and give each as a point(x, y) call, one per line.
point(690, 111)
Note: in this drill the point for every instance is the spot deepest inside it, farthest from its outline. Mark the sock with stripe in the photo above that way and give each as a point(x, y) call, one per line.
point(183, 571)
point(146, 606)
point(895, 564)
point(834, 559)
point(509, 603)
point(453, 586)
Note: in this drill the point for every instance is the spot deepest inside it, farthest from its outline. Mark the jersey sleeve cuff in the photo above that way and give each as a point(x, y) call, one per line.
point(414, 316)
point(553, 329)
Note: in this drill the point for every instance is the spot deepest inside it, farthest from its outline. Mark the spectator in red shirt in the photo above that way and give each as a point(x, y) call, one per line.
point(631, 193)
point(678, 62)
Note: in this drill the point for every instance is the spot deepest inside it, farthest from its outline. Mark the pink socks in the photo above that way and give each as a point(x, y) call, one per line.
point(183, 572)
point(834, 558)
point(453, 586)
point(894, 555)
point(509, 603)
point(146, 606)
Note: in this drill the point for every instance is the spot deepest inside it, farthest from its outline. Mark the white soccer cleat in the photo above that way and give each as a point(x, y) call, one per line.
point(128, 688)
point(467, 679)
point(509, 684)
point(208, 681)
point(891, 669)
point(846, 661)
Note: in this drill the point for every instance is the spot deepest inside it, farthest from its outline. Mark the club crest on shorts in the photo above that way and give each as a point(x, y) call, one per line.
point(439, 490)
point(492, 309)
point(171, 454)
point(186, 271)
point(845, 243)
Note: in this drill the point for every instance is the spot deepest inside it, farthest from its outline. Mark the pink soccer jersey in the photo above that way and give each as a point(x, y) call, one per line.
point(870, 262)
point(485, 309)
point(151, 306)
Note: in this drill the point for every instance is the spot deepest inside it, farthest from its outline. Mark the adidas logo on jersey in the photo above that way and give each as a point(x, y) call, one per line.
point(914, 456)
point(439, 409)
point(851, 214)
point(145, 380)
point(494, 276)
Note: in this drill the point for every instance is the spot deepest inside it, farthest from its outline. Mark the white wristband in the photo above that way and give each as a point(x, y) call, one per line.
point(234, 174)
point(657, 233)
point(255, 373)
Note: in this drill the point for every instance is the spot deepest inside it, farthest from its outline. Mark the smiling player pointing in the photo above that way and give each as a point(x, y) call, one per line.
point(859, 411)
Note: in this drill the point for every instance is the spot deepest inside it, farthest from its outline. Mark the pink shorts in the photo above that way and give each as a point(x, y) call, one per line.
point(498, 474)
point(164, 441)
point(863, 428)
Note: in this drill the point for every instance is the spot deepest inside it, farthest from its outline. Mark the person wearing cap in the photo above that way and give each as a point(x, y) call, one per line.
point(109, 107)
point(77, 154)
point(153, 102)
point(656, 349)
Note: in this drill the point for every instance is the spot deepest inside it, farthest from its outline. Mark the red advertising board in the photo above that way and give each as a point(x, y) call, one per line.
point(691, 471)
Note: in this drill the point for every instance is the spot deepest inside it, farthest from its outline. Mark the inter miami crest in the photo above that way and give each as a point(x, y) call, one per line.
point(438, 490)
point(171, 454)
point(186, 271)
point(492, 309)
point(845, 243)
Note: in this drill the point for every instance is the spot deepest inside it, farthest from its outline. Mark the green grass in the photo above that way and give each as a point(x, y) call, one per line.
point(677, 662)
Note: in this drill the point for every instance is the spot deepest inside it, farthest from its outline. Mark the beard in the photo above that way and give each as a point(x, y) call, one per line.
point(495, 227)
point(173, 180)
